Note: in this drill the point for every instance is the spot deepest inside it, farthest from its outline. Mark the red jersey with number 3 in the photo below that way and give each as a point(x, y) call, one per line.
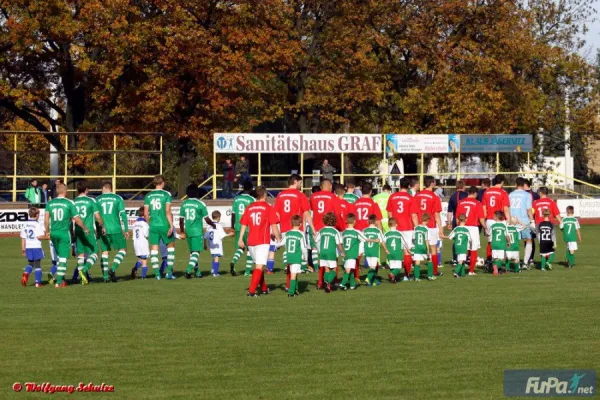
point(288, 203)
point(544, 204)
point(427, 202)
point(495, 199)
point(258, 217)
point(342, 209)
point(321, 203)
point(472, 209)
point(365, 207)
point(399, 206)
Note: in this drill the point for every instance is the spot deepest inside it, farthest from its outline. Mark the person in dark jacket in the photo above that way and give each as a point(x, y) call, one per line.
point(452, 205)
point(485, 184)
point(242, 168)
point(228, 178)
point(45, 193)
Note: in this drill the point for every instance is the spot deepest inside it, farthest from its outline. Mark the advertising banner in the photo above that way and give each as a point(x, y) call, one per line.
point(416, 144)
point(496, 143)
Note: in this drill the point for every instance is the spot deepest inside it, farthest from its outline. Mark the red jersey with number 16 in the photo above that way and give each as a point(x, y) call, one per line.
point(472, 209)
point(427, 202)
point(495, 199)
point(288, 203)
point(365, 207)
point(399, 207)
point(321, 203)
point(258, 217)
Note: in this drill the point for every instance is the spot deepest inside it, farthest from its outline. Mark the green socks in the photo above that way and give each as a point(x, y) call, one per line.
point(248, 264)
point(154, 262)
point(371, 275)
point(170, 259)
point(544, 262)
point(192, 263)
point(346, 279)
point(90, 262)
point(429, 269)
point(104, 263)
point(293, 286)
point(118, 259)
point(80, 263)
point(417, 271)
point(237, 255)
point(396, 272)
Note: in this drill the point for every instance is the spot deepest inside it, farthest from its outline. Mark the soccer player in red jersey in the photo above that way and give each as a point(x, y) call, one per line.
point(473, 210)
point(341, 207)
point(260, 218)
point(545, 203)
point(399, 207)
point(428, 202)
point(495, 199)
point(364, 208)
point(322, 203)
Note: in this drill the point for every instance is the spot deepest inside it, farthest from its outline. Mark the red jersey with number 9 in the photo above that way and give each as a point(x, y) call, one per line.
point(288, 203)
point(258, 217)
point(399, 206)
point(495, 199)
point(321, 203)
point(365, 207)
point(472, 209)
point(427, 202)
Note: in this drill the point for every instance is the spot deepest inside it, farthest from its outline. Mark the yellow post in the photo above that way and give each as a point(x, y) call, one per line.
point(161, 153)
point(14, 189)
point(302, 170)
point(214, 177)
point(114, 177)
point(497, 163)
point(458, 173)
point(385, 167)
point(258, 179)
point(342, 169)
point(422, 170)
point(66, 157)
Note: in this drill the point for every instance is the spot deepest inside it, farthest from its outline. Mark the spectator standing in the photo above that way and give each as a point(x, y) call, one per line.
point(56, 183)
point(228, 178)
point(242, 168)
point(327, 170)
point(33, 193)
point(456, 197)
point(45, 193)
point(485, 185)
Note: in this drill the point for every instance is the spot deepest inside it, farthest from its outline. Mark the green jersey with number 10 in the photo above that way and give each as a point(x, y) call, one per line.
point(61, 211)
point(157, 201)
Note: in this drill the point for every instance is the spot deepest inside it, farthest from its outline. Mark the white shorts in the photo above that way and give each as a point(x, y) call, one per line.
point(331, 264)
point(498, 254)
point(361, 249)
point(372, 262)
point(213, 255)
point(259, 253)
point(475, 239)
point(395, 264)
point(513, 255)
point(141, 249)
point(407, 238)
point(350, 264)
point(434, 236)
point(295, 269)
point(461, 258)
point(572, 246)
point(488, 225)
point(420, 257)
point(546, 254)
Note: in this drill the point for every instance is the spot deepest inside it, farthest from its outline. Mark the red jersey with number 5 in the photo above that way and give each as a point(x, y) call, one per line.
point(258, 217)
point(288, 203)
point(472, 209)
point(342, 209)
point(495, 199)
point(399, 206)
point(427, 202)
point(321, 203)
point(544, 204)
point(365, 207)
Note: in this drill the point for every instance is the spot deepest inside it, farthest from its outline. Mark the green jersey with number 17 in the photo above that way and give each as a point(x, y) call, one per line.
point(157, 201)
point(111, 206)
point(240, 203)
point(86, 208)
point(193, 211)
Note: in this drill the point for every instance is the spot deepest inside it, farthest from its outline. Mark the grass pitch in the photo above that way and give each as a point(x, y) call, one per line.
point(205, 339)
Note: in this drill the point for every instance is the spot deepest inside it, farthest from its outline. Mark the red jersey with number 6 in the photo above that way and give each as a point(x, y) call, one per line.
point(427, 202)
point(258, 217)
point(288, 203)
point(495, 199)
point(472, 209)
point(399, 207)
point(321, 203)
point(365, 207)
point(544, 204)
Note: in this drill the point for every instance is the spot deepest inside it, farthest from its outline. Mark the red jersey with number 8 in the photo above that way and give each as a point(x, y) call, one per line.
point(472, 209)
point(321, 203)
point(258, 217)
point(399, 206)
point(495, 199)
point(365, 207)
point(427, 202)
point(288, 203)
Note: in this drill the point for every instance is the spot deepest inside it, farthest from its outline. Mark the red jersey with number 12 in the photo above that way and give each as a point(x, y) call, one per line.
point(288, 203)
point(258, 217)
point(399, 207)
point(495, 199)
point(427, 202)
point(364, 207)
point(472, 209)
point(321, 203)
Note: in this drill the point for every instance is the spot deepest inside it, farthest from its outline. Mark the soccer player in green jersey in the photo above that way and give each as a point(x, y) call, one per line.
point(571, 235)
point(374, 242)
point(395, 245)
point(462, 241)
point(295, 247)
point(350, 197)
point(192, 214)
point(513, 257)
point(112, 210)
point(500, 240)
point(421, 249)
point(88, 211)
point(351, 242)
point(329, 243)
point(59, 214)
point(157, 211)
point(240, 203)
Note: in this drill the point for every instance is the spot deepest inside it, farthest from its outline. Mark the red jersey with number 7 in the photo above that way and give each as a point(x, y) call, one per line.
point(288, 203)
point(258, 217)
point(544, 204)
point(399, 206)
point(427, 202)
point(365, 207)
point(495, 199)
point(321, 203)
point(472, 209)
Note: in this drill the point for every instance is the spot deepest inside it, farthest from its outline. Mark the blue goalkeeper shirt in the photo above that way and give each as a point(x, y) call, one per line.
point(520, 203)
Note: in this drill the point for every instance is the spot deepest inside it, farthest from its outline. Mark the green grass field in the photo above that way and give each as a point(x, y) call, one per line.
point(205, 339)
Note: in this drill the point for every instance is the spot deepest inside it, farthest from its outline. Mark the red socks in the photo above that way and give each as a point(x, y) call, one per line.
point(321, 276)
point(488, 251)
point(434, 260)
point(257, 275)
point(407, 264)
point(263, 284)
point(473, 261)
point(288, 278)
point(335, 280)
point(357, 269)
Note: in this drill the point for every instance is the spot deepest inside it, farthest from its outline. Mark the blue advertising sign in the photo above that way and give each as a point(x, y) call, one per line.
point(496, 143)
